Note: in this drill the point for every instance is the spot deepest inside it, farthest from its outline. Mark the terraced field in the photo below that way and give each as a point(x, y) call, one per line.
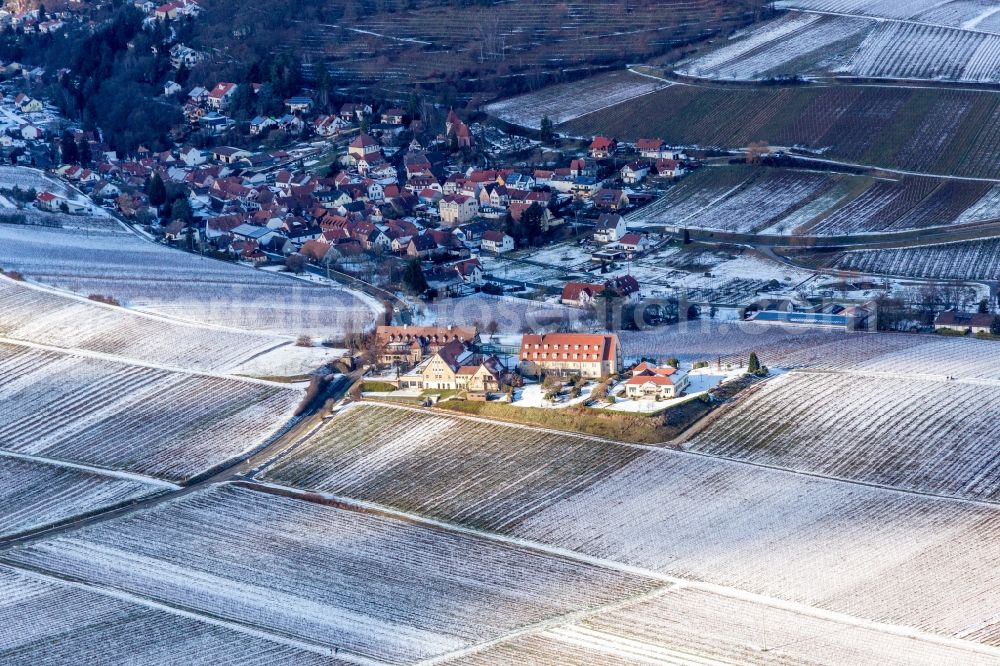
point(166, 424)
point(328, 577)
point(917, 434)
point(393, 42)
point(886, 127)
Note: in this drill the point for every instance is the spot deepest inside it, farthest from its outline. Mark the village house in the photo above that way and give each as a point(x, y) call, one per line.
point(220, 96)
point(654, 383)
point(632, 243)
point(668, 168)
point(471, 271)
point(582, 294)
point(54, 203)
point(408, 345)
point(966, 322)
point(457, 209)
point(299, 104)
point(635, 172)
point(229, 154)
point(497, 242)
point(610, 199)
point(421, 246)
point(26, 104)
point(454, 368)
point(602, 147)
point(588, 355)
point(610, 228)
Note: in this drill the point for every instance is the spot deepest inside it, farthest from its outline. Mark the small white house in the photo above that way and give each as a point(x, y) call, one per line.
point(634, 173)
point(497, 242)
point(610, 228)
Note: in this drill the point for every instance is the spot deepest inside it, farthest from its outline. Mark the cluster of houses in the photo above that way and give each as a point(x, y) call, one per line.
point(654, 156)
point(449, 359)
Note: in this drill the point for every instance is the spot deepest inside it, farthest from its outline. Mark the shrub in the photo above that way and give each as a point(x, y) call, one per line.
point(107, 300)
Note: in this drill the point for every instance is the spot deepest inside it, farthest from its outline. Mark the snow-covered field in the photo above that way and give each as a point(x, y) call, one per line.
point(755, 54)
point(512, 314)
point(968, 14)
point(47, 621)
point(567, 101)
point(37, 315)
point(35, 494)
point(477, 477)
point(970, 260)
point(26, 178)
point(906, 431)
point(166, 424)
point(932, 40)
point(872, 553)
point(686, 625)
point(757, 206)
point(150, 277)
point(369, 585)
point(289, 361)
point(729, 342)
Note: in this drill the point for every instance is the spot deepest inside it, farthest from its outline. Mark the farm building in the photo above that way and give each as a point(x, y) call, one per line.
point(588, 355)
point(968, 322)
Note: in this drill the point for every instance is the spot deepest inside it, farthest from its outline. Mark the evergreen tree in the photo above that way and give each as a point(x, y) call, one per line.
point(531, 223)
point(414, 278)
point(83, 151)
point(156, 191)
point(181, 210)
point(547, 130)
point(68, 147)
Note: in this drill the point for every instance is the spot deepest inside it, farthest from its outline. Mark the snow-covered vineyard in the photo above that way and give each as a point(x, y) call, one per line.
point(956, 41)
point(803, 202)
point(151, 277)
point(371, 447)
point(328, 577)
point(969, 260)
point(867, 552)
point(565, 102)
point(730, 343)
point(68, 491)
point(39, 316)
point(156, 422)
point(968, 14)
point(110, 628)
point(686, 625)
point(926, 435)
